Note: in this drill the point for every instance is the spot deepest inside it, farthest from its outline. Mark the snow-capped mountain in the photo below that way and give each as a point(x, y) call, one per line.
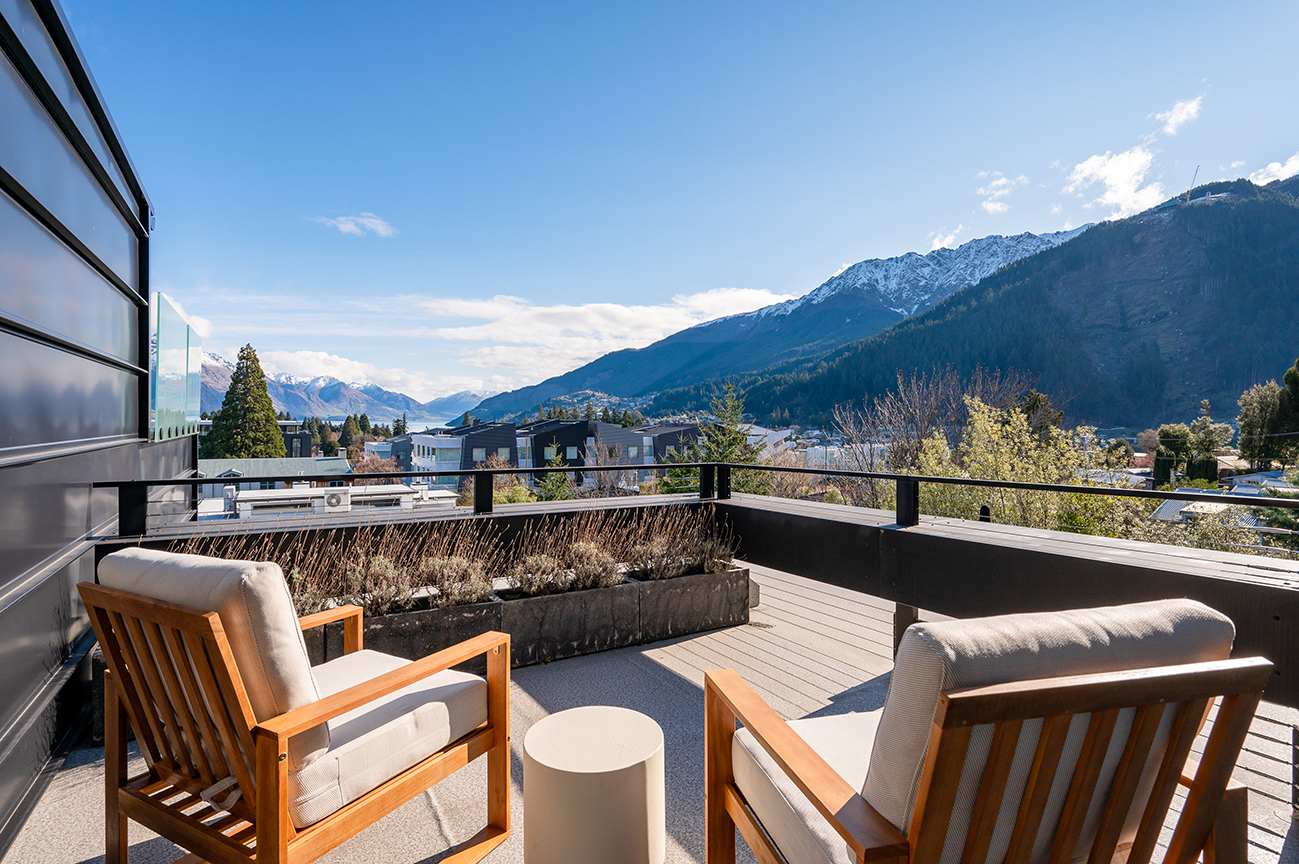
point(1132, 323)
point(859, 302)
point(911, 283)
point(324, 396)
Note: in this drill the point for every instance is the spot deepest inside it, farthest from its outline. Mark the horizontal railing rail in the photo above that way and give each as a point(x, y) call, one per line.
point(393, 475)
point(133, 495)
point(714, 483)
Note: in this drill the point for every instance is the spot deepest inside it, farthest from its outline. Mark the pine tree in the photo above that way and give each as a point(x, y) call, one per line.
point(364, 423)
point(556, 485)
point(351, 432)
point(245, 427)
point(399, 426)
point(726, 439)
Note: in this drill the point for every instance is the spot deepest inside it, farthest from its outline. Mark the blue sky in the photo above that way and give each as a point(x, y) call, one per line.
point(436, 197)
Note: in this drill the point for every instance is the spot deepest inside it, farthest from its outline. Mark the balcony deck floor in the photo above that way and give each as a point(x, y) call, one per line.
point(809, 648)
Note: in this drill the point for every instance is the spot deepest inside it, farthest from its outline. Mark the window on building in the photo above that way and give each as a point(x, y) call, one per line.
point(265, 484)
point(633, 451)
point(570, 453)
point(503, 453)
point(550, 453)
point(480, 454)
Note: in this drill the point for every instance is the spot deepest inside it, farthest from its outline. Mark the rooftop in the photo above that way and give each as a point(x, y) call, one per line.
point(274, 467)
point(810, 649)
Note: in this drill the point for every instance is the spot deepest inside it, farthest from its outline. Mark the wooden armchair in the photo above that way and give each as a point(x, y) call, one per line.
point(1081, 766)
point(251, 754)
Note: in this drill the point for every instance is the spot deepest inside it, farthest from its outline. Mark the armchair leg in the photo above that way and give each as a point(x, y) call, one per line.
point(272, 800)
point(719, 730)
point(1229, 837)
point(498, 758)
point(115, 851)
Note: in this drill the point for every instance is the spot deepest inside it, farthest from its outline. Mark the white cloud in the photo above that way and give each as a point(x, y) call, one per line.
point(1056, 209)
point(1179, 115)
point(455, 343)
point(1276, 171)
point(1123, 178)
point(534, 341)
point(1237, 164)
point(943, 238)
point(202, 326)
point(359, 225)
point(997, 188)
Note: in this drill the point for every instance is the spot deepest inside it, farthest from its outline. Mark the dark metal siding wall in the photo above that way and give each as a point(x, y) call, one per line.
point(73, 394)
point(489, 439)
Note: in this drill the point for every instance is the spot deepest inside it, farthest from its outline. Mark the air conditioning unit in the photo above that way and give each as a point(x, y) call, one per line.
point(335, 500)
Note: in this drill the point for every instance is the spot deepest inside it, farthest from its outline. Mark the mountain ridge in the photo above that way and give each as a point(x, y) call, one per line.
point(1132, 322)
point(860, 301)
point(329, 397)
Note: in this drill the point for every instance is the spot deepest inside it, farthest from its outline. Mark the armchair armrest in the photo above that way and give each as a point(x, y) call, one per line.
point(352, 618)
point(867, 833)
point(290, 723)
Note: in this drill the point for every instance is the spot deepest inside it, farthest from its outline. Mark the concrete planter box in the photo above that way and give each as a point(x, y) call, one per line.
point(554, 626)
point(691, 604)
point(412, 634)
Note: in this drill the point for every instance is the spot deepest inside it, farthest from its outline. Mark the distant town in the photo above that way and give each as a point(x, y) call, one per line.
point(988, 425)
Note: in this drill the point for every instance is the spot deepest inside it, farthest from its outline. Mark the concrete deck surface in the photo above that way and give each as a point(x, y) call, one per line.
point(809, 649)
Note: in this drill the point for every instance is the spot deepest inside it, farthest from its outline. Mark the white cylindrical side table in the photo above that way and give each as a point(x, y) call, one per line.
point(593, 788)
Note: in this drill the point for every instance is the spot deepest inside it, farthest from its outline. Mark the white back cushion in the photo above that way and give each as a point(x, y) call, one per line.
point(935, 658)
point(256, 611)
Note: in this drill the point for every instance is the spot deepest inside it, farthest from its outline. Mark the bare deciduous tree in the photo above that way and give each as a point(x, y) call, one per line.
point(609, 483)
point(887, 431)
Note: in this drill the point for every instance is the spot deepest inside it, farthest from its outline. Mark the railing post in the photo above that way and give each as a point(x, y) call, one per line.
point(707, 482)
point(482, 492)
point(985, 513)
point(723, 482)
point(908, 501)
point(904, 615)
point(132, 510)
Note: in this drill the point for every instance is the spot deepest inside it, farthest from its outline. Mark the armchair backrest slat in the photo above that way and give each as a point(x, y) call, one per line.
point(1100, 757)
point(183, 696)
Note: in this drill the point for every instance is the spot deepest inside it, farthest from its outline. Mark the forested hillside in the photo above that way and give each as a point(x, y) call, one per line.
point(1131, 322)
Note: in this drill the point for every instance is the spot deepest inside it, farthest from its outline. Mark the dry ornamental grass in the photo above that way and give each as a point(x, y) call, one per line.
point(388, 568)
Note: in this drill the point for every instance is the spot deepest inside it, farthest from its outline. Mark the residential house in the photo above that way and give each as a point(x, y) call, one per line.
point(458, 448)
point(297, 441)
point(658, 438)
point(243, 473)
point(579, 443)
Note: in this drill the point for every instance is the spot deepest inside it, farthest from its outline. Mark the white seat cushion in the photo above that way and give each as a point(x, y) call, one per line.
point(800, 832)
point(379, 740)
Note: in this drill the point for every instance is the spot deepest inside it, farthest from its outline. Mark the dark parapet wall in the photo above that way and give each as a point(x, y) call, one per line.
point(74, 409)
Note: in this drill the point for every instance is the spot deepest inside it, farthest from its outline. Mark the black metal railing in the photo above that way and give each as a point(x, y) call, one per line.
point(908, 488)
point(133, 495)
point(714, 483)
